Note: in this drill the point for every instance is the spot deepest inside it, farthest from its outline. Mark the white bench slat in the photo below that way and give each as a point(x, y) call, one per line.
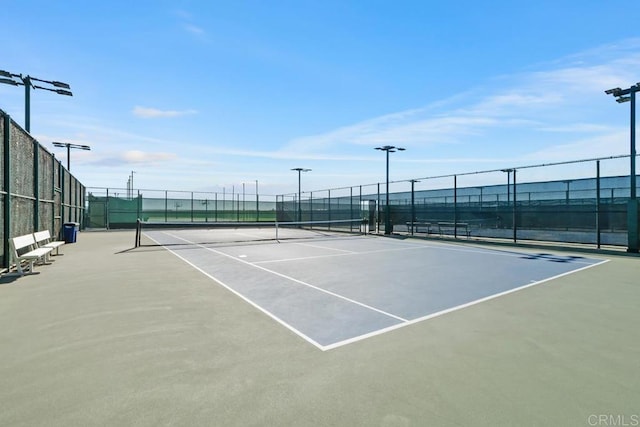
point(32, 252)
point(43, 239)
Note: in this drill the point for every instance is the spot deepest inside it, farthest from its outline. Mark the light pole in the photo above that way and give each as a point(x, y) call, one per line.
point(508, 172)
point(413, 205)
point(257, 203)
point(131, 183)
point(69, 147)
point(632, 206)
point(387, 210)
point(26, 81)
point(300, 170)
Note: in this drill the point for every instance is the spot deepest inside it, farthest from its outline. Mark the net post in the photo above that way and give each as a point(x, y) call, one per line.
point(138, 227)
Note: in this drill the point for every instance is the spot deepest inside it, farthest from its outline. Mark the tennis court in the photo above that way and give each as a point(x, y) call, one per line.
point(112, 335)
point(333, 289)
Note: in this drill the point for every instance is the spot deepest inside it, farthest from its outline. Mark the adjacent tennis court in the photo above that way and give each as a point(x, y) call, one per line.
point(334, 288)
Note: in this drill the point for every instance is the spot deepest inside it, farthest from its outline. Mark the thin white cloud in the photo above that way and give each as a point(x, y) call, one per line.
point(186, 22)
point(566, 98)
point(553, 114)
point(578, 128)
point(183, 14)
point(134, 157)
point(152, 113)
point(605, 145)
point(194, 29)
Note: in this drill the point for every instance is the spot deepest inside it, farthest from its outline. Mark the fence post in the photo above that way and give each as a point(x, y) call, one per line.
point(7, 189)
point(360, 203)
point(515, 208)
point(166, 206)
point(36, 185)
point(378, 211)
point(53, 193)
point(62, 193)
point(350, 202)
point(413, 205)
point(106, 211)
point(598, 203)
point(455, 206)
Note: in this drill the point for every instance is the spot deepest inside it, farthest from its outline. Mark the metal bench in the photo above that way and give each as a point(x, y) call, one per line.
point(453, 226)
point(417, 225)
point(24, 248)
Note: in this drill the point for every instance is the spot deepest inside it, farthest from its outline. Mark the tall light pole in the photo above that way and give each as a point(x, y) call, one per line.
point(632, 207)
point(300, 170)
point(257, 203)
point(131, 181)
point(508, 172)
point(26, 81)
point(69, 147)
point(387, 210)
point(413, 204)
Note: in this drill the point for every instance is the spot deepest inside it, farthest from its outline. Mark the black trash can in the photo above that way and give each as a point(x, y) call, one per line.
point(70, 231)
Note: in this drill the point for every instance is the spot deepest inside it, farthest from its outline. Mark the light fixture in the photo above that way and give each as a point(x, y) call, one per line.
point(626, 95)
point(26, 81)
point(300, 170)
point(69, 147)
point(387, 210)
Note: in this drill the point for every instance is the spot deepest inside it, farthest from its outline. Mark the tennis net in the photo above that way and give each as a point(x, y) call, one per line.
point(185, 233)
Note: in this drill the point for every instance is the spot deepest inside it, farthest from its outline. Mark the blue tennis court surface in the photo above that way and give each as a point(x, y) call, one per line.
point(335, 291)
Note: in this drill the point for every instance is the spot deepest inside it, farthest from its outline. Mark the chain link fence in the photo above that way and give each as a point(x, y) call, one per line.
point(36, 191)
point(587, 203)
point(111, 208)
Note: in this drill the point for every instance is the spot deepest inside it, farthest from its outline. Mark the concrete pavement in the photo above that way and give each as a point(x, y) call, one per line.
point(113, 336)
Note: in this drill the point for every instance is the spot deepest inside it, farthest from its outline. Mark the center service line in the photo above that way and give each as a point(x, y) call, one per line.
point(333, 294)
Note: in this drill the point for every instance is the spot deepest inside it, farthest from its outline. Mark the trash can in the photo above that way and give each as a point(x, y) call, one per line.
point(70, 231)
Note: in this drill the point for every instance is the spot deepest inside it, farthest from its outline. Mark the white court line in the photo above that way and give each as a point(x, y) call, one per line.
point(409, 246)
point(252, 236)
point(452, 309)
point(345, 254)
point(293, 279)
point(324, 247)
point(457, 248)
point(247, 300)
point(405, 322)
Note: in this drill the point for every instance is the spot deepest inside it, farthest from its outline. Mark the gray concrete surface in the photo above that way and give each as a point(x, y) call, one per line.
point(109, 336)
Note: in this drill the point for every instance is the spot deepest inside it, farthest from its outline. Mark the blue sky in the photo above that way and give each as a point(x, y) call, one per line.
point(201, 95)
